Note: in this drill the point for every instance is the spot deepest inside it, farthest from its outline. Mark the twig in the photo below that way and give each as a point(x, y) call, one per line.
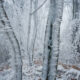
point(38, 7)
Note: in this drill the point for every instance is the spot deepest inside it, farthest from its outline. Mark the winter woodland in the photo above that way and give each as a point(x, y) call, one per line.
point(39, 39)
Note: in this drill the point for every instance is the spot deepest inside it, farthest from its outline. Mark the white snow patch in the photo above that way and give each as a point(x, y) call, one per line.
point(60, 67)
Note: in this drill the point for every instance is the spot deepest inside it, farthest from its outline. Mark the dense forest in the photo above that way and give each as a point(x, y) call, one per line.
point(39, 39)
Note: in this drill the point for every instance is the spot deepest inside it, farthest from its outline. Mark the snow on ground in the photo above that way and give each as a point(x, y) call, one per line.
point(68, 74)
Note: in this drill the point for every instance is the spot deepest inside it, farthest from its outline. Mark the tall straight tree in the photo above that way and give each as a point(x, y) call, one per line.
point(52, 40)
point(55, 39)
point(47, 46)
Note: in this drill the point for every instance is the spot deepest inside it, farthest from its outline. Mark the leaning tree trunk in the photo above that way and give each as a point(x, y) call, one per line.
point(15, 62)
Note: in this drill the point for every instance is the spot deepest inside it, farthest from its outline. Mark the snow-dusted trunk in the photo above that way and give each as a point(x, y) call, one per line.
point(35, 28)
point(46, 49)
point(35, 18)
point(48, 37)
point(51, 49)
point(29, 27)
point(15, 62)
point(55, 39)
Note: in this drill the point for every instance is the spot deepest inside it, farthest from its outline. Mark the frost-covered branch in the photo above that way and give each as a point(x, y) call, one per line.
point(38, 7)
